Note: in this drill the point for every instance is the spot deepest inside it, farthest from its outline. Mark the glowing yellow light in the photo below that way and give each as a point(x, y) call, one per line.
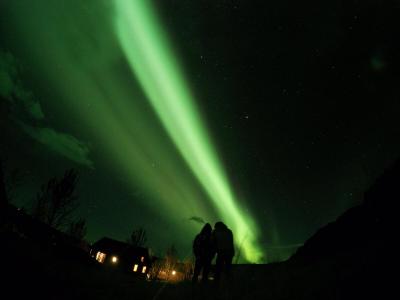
point(135, 267)
point(144, 269)
point(173, 272)
point(114, 259)
point(142, 259)
point(100, 257)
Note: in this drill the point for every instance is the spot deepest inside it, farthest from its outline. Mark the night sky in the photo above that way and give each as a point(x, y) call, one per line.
point(272, 116)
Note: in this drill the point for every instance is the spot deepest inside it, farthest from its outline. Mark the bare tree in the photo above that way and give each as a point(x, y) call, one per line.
point(56, 200)
point(156, 268)
point(171, 260)
point(77, 229)
point(138, 237)
point(188, 268)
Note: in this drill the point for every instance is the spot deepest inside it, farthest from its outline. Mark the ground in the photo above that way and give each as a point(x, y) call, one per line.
point(39, 271)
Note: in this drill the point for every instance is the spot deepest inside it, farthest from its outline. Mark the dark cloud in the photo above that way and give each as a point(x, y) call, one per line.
point(12, 90)
point(197, 219)
point(62, 143)
point(26, 110)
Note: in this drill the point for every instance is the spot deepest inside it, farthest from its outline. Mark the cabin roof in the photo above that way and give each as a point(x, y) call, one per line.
point(106, 243)
point(110, 245)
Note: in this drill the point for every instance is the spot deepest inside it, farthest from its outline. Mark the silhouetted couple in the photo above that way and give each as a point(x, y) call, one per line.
point(208, 243)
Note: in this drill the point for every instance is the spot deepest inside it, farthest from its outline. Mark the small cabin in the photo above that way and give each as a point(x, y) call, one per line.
point(121, 255)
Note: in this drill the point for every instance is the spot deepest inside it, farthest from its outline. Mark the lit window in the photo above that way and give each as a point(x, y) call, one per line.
point(114, 259)
point(173, 272)
point(142, 259)
point(100, 257)
point(135, 267)
point(144, 269)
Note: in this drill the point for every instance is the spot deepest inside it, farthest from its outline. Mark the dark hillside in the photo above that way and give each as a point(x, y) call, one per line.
point(368, 228)
point(353, 255)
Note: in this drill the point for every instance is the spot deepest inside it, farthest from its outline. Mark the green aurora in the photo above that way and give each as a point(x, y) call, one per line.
point(152, 132)
point(149, 54)
point(262, 115)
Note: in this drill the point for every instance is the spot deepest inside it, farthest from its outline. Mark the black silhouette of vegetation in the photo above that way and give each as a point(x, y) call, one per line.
point(138, 237)
point(171, 260)
point(77, 229)
point(56, 201)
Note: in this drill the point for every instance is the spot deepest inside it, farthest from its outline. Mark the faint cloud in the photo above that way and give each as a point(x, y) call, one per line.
point(8, 71)
point(11, 88)
point(197, 219)
point(32, 107)
point(62, 143)
point(25, 110)
point(6, 84)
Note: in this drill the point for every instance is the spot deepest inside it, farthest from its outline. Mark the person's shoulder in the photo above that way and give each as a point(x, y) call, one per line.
point(197, 237)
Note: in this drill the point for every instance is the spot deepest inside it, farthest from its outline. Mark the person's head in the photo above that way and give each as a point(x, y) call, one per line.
point(206, 230)
point(219, 226)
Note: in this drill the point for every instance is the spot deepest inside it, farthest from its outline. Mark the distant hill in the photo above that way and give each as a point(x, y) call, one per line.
point(352, 257)
point(368, 228)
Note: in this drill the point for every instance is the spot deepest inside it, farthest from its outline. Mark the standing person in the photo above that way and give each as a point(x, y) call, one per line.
point(203, 252)
point(222, 240)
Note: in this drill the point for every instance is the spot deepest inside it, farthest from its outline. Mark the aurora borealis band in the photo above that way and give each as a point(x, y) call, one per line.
point(149, 134)
point(263, 115)
point(150, 55)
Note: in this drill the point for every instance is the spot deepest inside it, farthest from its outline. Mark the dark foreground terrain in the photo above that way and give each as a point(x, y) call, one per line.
point(351, 258)
point(33, 271)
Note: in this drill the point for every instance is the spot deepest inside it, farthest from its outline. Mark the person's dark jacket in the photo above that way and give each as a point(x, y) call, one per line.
point(222, 240)
point(202, 247)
